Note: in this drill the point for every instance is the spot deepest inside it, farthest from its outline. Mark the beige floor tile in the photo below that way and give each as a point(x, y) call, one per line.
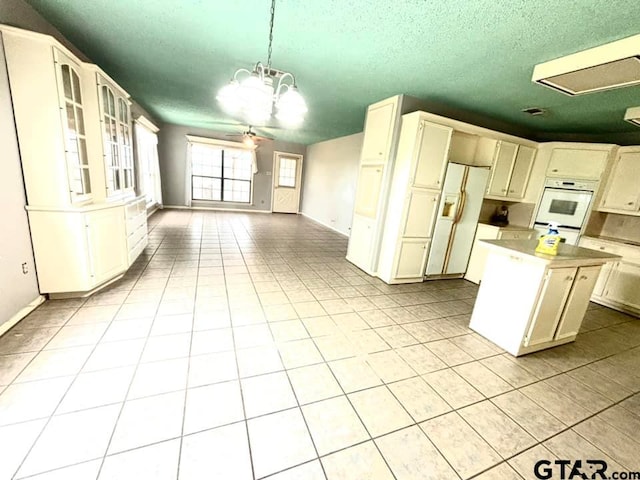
point(86, 436)
point(529, 415)
point(354, 374)
point(554, 402)
point(55, 363)
point(463, 448)
point(212, 368)
point(299, 353)
point(159, 462)
point(582, 395)
point(449, 353)
point(98, 314)
point(288, 330)
point(622, 448)
point(511, 372)
point(219, 453)
point(95, 389)
point(172, 324)
point(279, 441)
point(525, 462)
point(28, 401)
point(15, 442)
point(12, 365)
point(476, 346)
point(334, 424)
point(310, 309)
point(313, 383)
point(81, 471)
point(276, 313)
point(320, 326)
point(570, 445)
point(421, 359)
point(77, 335)
point(335, 347)
point(349, 322)
point(166, 347)
point(503, 434)
point(535, 364)
point(138, 424)
point(453, 388)
point(483, 379)
point(359, 462)
point(500, 472)
point(252, 336)
point(377, 318)
point(412, 456)
point(603, 385)
point(128, 329)
point(622, 419)
point(389, 366)
point(379, 410)
point(308, 471)
point(258, 360)
point(115, 354)
point(211, 341)
point(396, 336)
point(419, 399)
point(159, 377)
point(422, 331)
point(212, 406)
point(267, 394)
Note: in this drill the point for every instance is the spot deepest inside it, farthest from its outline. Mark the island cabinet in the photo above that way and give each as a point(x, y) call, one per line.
point(528, 301)
point(74, 132)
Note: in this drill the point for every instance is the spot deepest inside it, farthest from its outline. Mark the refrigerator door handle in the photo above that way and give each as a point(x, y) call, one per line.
point(460, 209)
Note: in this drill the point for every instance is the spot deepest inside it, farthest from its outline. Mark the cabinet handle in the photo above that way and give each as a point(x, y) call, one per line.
point(601, 248)
point(380, 153)
point(583, 277)
point(512, 191)
point(504, 189)
point(569, 277)
point(629, 203)
point(554, 170)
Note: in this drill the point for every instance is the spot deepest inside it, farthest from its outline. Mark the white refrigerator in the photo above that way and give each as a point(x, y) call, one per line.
point(457, 219)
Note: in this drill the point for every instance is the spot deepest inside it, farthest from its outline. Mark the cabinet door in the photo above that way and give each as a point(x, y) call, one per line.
point(575, 163)
point(555, 290)
point(578, 302)
point(622, 188)
point(421, 211)
point(378, 131)
point(360, 242)
point(106, 238)
point(605, 272)
point(520, 173)
point(623, 285)
point(368, 190)
point(431, 155)
point(501, 169)
point(412, 258)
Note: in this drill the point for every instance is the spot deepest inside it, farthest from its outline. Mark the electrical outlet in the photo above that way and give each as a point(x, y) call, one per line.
point(25, 268)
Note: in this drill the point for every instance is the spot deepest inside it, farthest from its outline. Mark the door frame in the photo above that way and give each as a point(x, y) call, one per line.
point(276, 155)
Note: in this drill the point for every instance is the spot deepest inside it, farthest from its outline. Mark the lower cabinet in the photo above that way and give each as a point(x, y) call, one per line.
point(623, 285)
point(79, 250)
point(412, 258)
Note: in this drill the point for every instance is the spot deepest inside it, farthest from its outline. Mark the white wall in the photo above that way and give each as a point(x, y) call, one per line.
point(17, 289)
point(330, 174)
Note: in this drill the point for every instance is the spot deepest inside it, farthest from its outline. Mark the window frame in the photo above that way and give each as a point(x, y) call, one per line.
point(222, 145)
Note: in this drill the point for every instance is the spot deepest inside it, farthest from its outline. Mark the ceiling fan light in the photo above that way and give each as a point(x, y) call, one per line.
point(248, 141)
point(229, 98)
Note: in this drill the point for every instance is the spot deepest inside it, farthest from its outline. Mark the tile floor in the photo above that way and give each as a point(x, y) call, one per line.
point(244, 346)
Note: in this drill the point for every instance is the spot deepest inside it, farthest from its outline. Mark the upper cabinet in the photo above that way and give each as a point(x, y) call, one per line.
point(431, 150)
point(378, 131)
point(49, 107)
point(579, 163)
point(510, 171)
point(621, 194)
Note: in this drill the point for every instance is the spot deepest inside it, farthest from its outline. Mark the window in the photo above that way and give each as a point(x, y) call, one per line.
point(220, 173)
point(124, 141)
point(287, 173)
point(75, 140)
point(147, 158)
point(110, 140)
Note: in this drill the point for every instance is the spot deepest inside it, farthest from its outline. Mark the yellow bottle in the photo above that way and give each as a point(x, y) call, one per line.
point(548, 244)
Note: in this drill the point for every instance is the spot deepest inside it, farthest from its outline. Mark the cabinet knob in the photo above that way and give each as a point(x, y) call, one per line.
point(629, 203)
point(504, 189)
point(569, 277)
point(512, 191)
point(380, 153)
point(583, 277)
point(437, 182)
point(554, 170)
point(601, 248)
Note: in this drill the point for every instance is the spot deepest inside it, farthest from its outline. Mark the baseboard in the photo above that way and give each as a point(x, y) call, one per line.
point(243, 210)
point(23, 312)
point(324, 224)
point(153, 209)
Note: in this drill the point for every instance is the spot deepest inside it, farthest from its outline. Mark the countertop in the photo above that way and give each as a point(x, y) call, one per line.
point(508, 227)
point(613, 240)
point(568, 255)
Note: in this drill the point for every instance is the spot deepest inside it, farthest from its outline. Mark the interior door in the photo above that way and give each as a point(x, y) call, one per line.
point(550, 305)
point(287, 175)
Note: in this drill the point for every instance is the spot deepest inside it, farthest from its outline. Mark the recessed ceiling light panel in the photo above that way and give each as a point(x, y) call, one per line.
point(632, 115)
point(609, 66)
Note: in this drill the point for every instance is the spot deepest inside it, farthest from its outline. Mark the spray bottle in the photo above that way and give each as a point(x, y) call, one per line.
point(548, 244)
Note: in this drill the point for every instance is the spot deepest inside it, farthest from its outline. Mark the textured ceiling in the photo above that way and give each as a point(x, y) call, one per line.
point(473, 55)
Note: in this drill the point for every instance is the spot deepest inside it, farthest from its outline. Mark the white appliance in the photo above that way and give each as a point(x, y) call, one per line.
point(567, 203)
point(457, 219)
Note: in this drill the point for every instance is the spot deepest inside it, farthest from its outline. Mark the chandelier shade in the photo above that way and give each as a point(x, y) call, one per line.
point(253, 95)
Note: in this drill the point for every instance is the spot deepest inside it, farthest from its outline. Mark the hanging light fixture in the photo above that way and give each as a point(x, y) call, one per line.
point(253, 94)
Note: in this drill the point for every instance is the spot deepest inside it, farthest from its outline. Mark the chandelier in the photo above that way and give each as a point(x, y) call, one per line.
point(254, 94)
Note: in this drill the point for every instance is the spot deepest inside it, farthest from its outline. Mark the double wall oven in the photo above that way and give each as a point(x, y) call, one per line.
point(566, 202)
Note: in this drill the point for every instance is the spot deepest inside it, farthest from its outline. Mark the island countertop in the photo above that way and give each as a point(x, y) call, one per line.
point(568, 255)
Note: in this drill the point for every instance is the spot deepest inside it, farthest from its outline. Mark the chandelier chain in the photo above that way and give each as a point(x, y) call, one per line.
point(273, 13)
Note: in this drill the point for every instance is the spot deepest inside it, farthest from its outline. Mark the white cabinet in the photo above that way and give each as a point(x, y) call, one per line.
point(622, 194)
point(378, 131)
point(478, 258)
point(578, 163)
point(510, 171)
point(418, 173)
point(577, 302)
point(618, 285)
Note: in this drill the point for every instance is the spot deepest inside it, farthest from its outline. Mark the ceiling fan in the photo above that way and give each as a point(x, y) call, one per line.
point(249, 137)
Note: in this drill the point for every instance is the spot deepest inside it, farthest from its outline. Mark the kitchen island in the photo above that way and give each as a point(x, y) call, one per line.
point(530, 301)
